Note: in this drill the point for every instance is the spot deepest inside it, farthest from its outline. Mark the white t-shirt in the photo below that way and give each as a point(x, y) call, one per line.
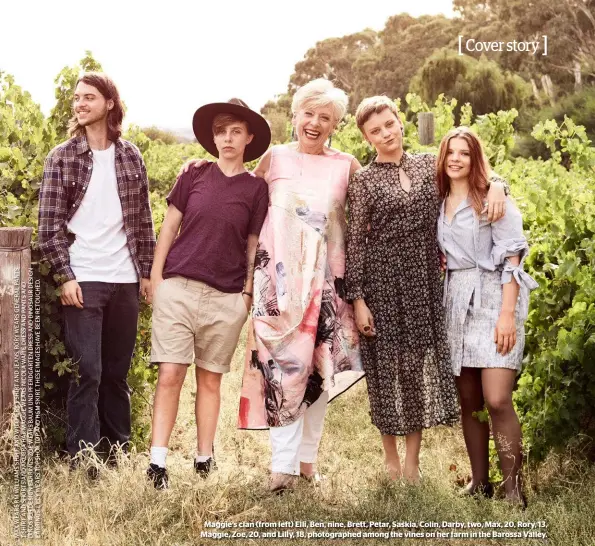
point(100, 251)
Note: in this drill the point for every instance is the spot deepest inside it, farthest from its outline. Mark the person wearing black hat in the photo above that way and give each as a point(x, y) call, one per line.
point(202, 277)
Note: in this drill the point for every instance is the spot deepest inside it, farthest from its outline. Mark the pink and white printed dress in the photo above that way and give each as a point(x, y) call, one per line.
point(302, 337)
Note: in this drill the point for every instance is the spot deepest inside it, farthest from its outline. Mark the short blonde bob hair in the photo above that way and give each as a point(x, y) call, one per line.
point(321, 92)
point(373, 105)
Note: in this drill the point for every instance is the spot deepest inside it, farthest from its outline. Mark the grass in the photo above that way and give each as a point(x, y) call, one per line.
point(122, 509)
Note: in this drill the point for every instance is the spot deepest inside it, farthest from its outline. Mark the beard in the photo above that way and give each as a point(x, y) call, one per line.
point(90, 119)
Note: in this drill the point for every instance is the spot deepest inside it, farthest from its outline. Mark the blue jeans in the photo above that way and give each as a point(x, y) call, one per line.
point(100, 339)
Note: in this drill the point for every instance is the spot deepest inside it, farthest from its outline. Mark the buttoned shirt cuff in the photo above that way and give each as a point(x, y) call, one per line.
point(66, 273)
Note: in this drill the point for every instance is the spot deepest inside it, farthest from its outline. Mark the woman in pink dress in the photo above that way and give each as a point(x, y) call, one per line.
point(303, 347)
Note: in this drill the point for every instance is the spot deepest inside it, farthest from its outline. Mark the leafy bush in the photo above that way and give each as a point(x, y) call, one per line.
point(580, 107)
point(556, 394)
point(160, 135)
point(164, 161)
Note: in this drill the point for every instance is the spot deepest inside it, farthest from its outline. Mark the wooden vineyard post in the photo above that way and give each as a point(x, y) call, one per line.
point(425, 128)
point(15, 262)
point(20, 376)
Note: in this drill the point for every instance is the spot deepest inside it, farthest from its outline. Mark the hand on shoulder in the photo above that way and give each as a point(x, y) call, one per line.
point(496, 198)
point(191, 163)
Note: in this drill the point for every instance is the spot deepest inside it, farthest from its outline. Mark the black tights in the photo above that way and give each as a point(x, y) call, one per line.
point(492, 387)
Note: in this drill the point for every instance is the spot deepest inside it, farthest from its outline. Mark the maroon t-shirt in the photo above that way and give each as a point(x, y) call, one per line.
point(219, 214)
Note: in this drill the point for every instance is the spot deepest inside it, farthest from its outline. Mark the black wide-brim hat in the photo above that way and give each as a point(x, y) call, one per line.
point(202, 124)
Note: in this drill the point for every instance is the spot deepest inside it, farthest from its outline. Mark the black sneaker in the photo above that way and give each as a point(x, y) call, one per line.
point(158, 476)
point(204, 469)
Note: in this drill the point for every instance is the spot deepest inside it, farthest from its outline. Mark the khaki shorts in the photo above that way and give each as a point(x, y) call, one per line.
point(193, 322)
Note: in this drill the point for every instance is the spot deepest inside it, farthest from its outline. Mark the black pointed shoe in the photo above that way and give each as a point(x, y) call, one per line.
point(158, 476)
point(205, 468)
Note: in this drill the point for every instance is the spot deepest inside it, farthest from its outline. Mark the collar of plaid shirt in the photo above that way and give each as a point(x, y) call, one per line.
point(82, 145)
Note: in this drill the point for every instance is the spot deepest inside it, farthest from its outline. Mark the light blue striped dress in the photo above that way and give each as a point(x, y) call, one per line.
point(476, 251)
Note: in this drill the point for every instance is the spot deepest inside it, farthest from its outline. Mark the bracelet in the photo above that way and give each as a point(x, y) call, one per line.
point(505, 184)
point(247, 293)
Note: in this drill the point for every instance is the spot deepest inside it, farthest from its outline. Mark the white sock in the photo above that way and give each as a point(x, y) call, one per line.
point(158, 455)
point(201, 458)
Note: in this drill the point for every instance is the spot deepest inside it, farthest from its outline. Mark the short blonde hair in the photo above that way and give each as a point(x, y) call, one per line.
point(373, 105)
point(321, 92)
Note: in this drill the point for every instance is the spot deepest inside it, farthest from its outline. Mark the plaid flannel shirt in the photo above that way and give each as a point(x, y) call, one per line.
point(66, 176)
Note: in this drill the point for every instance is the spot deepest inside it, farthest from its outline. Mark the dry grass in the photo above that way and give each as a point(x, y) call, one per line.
point(122, 509)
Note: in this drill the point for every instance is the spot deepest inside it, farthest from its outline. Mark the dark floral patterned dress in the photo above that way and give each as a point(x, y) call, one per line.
point(393, 264)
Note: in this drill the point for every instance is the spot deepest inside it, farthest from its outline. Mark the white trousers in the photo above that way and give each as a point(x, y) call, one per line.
point(299, 441)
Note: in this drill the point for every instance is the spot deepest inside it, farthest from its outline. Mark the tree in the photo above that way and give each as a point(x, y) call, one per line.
point(406, 42)
point(333, 59)
point(369, 63)
point(154, 133)
point(65, 83)
point(481, 83)
point(278, 113)
point(568, 24)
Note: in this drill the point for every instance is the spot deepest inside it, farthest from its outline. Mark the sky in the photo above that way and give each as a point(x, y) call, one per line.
point(170, 57)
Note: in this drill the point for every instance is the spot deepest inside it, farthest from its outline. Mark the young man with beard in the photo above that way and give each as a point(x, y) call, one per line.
point(96, 230)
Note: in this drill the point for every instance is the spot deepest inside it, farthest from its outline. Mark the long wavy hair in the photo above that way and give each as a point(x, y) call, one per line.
point(479, 171)
point(105, 85)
